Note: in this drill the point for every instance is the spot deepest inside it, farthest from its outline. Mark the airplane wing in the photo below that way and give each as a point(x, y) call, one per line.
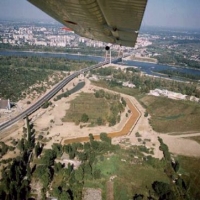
point(110, 21)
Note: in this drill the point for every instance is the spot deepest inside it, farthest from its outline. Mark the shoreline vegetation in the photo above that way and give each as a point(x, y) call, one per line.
point(142, 59)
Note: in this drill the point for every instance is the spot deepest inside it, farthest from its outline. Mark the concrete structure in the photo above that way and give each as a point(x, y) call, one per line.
point(128, 84)
point(172, 95)
point(5, 104)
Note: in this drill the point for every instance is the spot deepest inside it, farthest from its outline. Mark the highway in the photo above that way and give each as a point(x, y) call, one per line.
point(51, 93)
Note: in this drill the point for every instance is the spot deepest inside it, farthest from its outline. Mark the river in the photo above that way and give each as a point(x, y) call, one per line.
point(148, 68)
point(145, 67)
point(52, 55)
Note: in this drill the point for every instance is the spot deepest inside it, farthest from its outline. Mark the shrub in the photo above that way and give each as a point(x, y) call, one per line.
point(84, 118)
point(137, 134)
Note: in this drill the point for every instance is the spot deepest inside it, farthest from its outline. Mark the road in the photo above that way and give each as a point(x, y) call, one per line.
point(51, 93)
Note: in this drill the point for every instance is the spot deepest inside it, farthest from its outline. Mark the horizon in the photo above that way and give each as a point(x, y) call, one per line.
point(53, 21)
point(179, 14)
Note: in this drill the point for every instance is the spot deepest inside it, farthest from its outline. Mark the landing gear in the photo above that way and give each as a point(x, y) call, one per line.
point(108, 54)
point(107, 48)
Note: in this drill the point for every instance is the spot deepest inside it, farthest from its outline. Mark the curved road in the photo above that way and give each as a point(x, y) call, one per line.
point(49, 95)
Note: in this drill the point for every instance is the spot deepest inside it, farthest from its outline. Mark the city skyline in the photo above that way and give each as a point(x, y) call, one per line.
point(166, 13)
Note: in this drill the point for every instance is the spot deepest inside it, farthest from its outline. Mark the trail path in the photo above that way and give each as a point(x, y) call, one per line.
point(185, 135)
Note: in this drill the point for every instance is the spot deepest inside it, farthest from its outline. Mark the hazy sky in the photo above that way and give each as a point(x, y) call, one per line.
point(165, 13)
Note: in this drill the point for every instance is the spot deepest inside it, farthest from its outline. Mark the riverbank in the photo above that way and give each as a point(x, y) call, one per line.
point(141, 59)
point(70, 56)
point(145, 67)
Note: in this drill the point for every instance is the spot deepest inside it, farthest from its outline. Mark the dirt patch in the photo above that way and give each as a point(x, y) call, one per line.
point(181, 146)
point(91, 194)
point(8, 131)
point(109, 188)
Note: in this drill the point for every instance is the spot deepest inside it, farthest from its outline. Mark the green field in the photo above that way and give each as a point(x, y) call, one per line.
point(120, 89)
point(95, 108)
point(133, 176)
point(190, 168)
point(87, 103)
point(169, 115)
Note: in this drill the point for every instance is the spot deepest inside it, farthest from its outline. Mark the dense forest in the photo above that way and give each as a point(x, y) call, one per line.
point(19, 73)
point(37, 62)
point(14, 81)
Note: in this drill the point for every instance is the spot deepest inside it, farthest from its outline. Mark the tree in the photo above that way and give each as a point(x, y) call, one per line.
point(38, 149)
point(82, 156)
point(87, 146)
point(112, 120)
point(163, 190)
point(48, 157)
point(123, 101)
point(91, 137)
point(3, 149)
point(180, 182)
point(100, 121)
point(57, 191)
point(43, 173)
point(57, 167)
point(87, 168)
point(104, 137)
point(175, 166)
point(138, 197)
point(146, 114)
point(57, 148)
point(84, 118)
point(21, 145)
point(65, 196)
point(79, 174)
point(30, 133)
point(46, 104)
point(95, 145)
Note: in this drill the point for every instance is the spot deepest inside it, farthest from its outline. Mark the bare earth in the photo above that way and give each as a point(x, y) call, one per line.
point(48, 123)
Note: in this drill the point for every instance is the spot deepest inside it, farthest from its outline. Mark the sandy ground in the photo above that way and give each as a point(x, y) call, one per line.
point(181, 146)
point(60, 131)
point(48, 123)
point(146, 132)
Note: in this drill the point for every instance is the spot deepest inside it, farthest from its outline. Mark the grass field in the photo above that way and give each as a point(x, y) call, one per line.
point(131, 175)
point(89, 104)
point(94, 107)
point(190, 168)
point(169, 115)
point(120, 89)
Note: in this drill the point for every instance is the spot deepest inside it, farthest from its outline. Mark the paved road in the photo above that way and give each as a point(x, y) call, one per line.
point(50, 94)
